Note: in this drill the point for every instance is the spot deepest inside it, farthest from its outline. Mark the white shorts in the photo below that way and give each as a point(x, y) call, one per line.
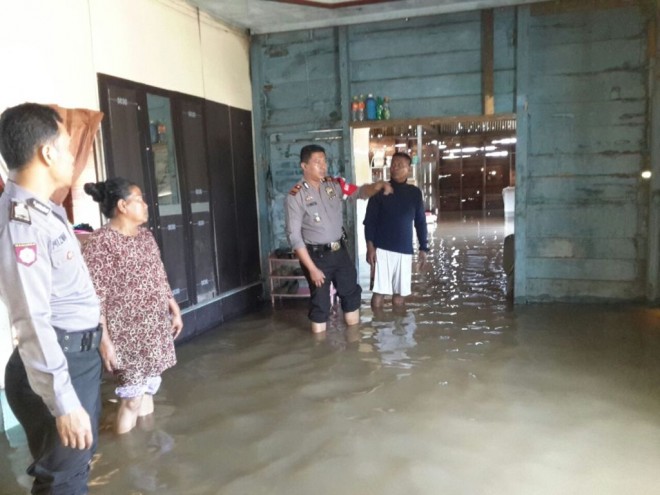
point(393, 273)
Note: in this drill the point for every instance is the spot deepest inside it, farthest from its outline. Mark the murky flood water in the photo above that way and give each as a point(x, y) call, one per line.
point(459, 394)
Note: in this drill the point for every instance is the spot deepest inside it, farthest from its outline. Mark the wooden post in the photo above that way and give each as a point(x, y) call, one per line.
point(487, 63)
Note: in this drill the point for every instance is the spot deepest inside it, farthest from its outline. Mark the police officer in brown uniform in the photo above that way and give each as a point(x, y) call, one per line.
point(53, 377)
point(314, 225)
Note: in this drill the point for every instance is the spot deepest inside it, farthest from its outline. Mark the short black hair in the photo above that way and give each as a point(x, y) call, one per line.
point(23, 129)
point(306, 152)
point(403, 155)
point(109, 192)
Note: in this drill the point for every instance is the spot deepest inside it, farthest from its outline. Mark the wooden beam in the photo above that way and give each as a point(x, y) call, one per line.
point(561, 6)
point(336, 5)
point(523, 181)
point(432, 121)
point(487, 63)
point(653, 160)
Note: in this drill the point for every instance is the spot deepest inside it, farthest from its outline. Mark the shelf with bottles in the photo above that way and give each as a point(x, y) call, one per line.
point(370, 108)
point(286, 277)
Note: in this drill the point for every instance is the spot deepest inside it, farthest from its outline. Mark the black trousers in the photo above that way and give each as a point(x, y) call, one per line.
point(57, 470)
point(339, 270)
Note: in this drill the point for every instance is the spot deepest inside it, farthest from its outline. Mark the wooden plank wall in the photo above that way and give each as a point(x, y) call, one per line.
point(297, 94)
point(579, 82)
point(431, 67)
point(428, 66)
point(585, 209)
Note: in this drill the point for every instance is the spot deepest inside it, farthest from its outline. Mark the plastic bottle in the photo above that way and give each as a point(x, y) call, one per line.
point(355, 108)
point(370, 107)
point(361, 108)
point(379, 108)
point(386, 108)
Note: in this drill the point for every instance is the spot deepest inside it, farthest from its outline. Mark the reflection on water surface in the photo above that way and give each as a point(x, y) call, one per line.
point(459, 394)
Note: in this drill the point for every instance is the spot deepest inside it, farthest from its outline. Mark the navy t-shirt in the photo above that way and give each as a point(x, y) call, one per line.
point(389, 219)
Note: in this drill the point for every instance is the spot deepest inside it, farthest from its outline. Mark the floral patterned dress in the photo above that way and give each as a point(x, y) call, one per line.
point(130, 280)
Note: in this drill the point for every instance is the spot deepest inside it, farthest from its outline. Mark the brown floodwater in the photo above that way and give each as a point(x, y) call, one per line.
point(461, 393)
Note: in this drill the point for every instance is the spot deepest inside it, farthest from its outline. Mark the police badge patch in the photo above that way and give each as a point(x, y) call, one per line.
point(330, 191)
point(26, 254)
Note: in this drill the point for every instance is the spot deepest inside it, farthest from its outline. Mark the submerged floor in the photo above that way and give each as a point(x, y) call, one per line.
point(461, 394)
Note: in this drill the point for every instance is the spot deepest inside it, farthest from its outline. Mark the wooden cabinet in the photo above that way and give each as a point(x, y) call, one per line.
point(229, 145)
point(286, 279)
point(193, 159)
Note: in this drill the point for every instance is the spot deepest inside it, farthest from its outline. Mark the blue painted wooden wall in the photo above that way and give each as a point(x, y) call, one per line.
point(582, 77)
point(585, 209)
point(431, 66)
point(428, 66)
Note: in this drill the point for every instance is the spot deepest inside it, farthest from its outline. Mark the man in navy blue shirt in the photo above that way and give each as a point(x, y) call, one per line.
point(388, 227)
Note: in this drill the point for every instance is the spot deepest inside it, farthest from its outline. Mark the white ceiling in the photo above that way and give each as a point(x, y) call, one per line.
point(270, 16)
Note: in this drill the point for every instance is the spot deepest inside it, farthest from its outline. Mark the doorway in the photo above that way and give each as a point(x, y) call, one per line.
point(465, 166)
point(460, 163)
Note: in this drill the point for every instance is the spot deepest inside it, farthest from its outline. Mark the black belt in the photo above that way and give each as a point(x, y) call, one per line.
point(81, 341)
point(322, 248)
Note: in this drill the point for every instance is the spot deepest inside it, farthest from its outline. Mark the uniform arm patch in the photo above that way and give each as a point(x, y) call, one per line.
point(26, 254)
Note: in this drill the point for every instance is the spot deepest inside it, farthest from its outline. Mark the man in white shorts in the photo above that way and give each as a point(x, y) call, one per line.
point(388, 229)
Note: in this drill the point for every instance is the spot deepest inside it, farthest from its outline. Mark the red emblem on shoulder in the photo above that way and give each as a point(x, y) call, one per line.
point(346, 188)
point(26, 254)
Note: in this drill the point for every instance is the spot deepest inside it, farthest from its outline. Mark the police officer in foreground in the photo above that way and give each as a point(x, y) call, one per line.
point(314, 225)
point(53, 377)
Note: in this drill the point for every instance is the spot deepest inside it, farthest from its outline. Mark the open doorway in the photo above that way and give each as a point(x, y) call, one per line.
point(465, 166)
point(461, 164)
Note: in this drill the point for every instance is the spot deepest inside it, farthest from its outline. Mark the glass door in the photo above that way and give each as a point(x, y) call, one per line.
point(168, 201)
point(197, 181)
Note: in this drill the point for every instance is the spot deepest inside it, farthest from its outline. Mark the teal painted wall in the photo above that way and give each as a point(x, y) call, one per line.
point(579, 82)
point(585, 209)
point(428, 66)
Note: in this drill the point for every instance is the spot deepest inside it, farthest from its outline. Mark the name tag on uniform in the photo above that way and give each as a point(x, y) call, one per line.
point(60, 240)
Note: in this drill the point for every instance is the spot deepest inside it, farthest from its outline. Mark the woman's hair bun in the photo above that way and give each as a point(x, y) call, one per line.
point(96, 190)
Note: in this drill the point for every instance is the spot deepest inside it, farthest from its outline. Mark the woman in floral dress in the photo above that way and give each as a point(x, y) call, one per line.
point(140, 317)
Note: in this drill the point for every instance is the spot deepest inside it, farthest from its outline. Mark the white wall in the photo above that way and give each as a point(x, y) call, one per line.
point(360, 141)
point(47, 53)
point(58, 47)
point(52, 51)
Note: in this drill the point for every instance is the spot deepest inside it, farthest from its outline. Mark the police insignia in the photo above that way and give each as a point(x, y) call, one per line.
point(331, 191)
point(26, 254)
point(20, 212)
point(39, 206)
point(294, 190)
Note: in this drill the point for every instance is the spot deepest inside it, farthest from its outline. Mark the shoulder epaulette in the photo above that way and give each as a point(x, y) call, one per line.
point(294, 190)
point(19, 212)
point(330, 179)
